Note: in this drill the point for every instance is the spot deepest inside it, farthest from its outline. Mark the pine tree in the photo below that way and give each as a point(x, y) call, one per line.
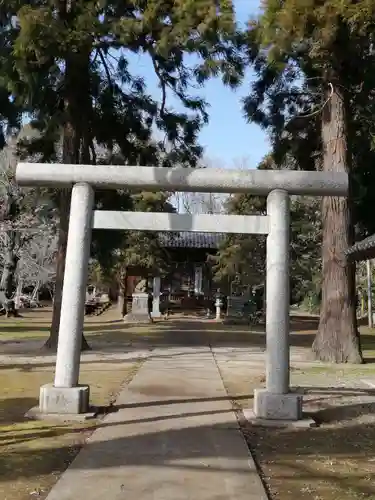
point(311, 59)
point(72, 62)
point(245, 255)
point(10, 110)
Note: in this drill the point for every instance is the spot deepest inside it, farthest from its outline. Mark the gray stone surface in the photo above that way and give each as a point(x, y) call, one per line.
point(175, 437)
point(216, 180)
point(35, 414)
point(159, 221)
point(74, 289)
point(272, 406)
point(156, 297)
point(64, 400)
point(252, 419)
point(139, 312)
point(277, 293)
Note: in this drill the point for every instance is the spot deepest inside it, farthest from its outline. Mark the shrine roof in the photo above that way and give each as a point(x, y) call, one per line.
point(362, 250)
point(192, 240)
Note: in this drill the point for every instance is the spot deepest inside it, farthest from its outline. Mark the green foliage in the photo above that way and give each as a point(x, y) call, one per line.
point(245, 255)
point(117, 252)
point(70, 73)
point(10, 112)
point(305, 250)
point(312, 61)
point(241, 254)
point(296, 48)
point(73, 66)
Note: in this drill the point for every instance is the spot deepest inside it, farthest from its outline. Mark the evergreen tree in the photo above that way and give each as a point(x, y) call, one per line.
point(140, 252)
point(241, 254)
point(245, 255)
point(72, 59)
point(313, 61)
point(10, 110)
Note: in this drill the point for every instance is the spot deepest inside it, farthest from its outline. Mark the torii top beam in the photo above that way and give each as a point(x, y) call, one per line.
point(258, 182)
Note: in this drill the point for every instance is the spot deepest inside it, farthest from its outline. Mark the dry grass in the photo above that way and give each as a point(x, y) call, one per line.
point(33, 454)
point(335, 461)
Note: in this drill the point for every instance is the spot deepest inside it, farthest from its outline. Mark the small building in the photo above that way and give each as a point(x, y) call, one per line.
point(188, 253)
point(189, 282)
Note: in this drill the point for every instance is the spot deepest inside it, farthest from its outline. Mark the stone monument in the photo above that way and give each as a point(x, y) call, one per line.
point(140, 312)
point(236, 302)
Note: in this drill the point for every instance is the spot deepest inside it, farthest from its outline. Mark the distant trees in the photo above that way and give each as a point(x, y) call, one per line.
point(245, 255)
point(314, 94)
point(67, 67)
point(27, 224)
point(117, 253)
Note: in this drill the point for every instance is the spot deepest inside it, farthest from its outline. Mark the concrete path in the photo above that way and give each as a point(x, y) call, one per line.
point(175, 437)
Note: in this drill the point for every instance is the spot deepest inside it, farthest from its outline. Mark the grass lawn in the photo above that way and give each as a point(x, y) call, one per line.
point(34, 453)
point(333, 462)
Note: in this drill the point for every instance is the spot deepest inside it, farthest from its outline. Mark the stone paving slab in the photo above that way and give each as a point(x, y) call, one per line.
point(175, 437)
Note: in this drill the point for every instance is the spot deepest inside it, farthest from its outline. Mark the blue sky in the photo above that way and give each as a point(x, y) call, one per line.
point(228, 140)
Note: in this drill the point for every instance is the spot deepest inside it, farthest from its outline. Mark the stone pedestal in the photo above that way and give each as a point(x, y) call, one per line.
point(139, 312)
point(64, 400)
point(271, 406)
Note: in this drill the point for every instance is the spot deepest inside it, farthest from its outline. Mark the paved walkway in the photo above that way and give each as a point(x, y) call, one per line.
point(175, 437)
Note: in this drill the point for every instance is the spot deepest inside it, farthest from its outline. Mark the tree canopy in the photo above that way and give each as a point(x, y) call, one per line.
point(68, 68)
point(314, 65)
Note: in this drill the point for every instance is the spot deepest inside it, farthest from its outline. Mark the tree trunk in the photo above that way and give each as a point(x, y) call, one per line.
point(337, 340)
point(76, 148)
point(122, 303)
point(8, 279)
point(64, 206)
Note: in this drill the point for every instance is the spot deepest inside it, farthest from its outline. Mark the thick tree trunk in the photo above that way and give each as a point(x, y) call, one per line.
point(337, 340)
point(76, 148)
point(122, 305)
point(8, 279)
point(64, 206)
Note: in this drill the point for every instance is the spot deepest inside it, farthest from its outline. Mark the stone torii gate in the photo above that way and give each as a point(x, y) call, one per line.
point(65, 395)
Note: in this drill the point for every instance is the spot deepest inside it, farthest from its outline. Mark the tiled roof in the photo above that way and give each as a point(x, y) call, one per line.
point(362, 250)
point(191, 240)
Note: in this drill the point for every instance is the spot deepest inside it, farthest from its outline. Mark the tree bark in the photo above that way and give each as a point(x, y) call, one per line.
point(76, 149)
point(122, 304)
point(337, 339)
point(8, 279)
